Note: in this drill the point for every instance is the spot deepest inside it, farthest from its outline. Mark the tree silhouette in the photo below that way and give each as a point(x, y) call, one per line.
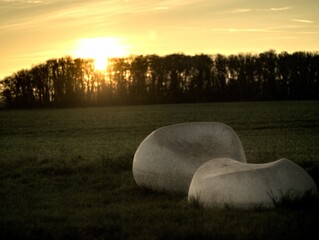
point(175, 78)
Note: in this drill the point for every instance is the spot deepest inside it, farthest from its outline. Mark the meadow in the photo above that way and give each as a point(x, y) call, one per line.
point(66, 173)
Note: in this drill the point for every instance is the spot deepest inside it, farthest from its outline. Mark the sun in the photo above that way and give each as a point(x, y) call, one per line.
point(99, 49)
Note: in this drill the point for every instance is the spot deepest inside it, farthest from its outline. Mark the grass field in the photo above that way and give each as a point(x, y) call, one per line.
point(66, 173)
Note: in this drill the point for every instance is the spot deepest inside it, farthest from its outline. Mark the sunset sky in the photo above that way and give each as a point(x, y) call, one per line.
point(33, 31)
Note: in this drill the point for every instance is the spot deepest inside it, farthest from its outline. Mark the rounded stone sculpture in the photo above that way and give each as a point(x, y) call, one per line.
point(226, 182)
point(168, 158)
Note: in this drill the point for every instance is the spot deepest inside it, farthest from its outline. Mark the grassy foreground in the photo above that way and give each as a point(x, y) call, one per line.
point(66, 173)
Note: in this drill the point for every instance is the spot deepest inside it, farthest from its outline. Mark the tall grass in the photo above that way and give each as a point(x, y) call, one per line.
point(66, 174)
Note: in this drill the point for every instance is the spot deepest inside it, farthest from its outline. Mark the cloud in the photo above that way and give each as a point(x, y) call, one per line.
point(309, 33)
point(22, 1)
point(275, 9)
point(302, 20)
point(56, 14)
point(235, 11)
point(34, 2)
point(177, 27)
point(223, 29)
point(280, 8)
point(240, 10)
point(250, 30)
point(161, 8)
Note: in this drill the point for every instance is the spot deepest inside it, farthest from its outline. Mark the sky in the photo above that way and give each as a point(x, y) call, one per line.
point(33, 31)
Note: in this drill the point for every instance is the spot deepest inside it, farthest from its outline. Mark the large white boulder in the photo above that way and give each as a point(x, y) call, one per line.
point(224, 181)
point(168, 158)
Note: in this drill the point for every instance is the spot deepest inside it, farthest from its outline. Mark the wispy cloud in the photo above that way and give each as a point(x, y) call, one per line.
point(161, 8)
point(22, 1)
point(245, 10)
point(241, 10)
point(235, 11)
point(252, 30)
point(76, 12)
point(54, 15)
point(302, 20)
point(223, 29)
point(280, 8)
point(34, 2)
point(275, 9)
point(178, 27)
point(309, 33)
point(43, 22)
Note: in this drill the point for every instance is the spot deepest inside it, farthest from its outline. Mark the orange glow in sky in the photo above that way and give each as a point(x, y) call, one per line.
point(33, 31)
point(99, 49)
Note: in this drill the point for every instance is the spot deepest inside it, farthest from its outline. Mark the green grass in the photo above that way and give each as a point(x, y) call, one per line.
point(66, 173)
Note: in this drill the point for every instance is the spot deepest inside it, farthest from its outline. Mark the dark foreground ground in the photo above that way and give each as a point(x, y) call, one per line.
point(66, 174)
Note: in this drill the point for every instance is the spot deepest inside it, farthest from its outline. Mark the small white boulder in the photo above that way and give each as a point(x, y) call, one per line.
point(168, 158)
point(224, 181)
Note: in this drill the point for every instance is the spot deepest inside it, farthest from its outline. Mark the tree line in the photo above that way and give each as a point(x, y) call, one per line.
point(175, 78)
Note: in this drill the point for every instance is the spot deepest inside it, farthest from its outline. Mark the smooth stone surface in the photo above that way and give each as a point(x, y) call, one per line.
point(226, 182)
point(168, 158)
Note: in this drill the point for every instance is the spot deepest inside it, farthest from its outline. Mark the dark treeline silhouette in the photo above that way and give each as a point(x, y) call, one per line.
point(175, 78)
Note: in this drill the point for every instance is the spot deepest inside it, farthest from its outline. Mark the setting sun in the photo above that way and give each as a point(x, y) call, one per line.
point(99, 49)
